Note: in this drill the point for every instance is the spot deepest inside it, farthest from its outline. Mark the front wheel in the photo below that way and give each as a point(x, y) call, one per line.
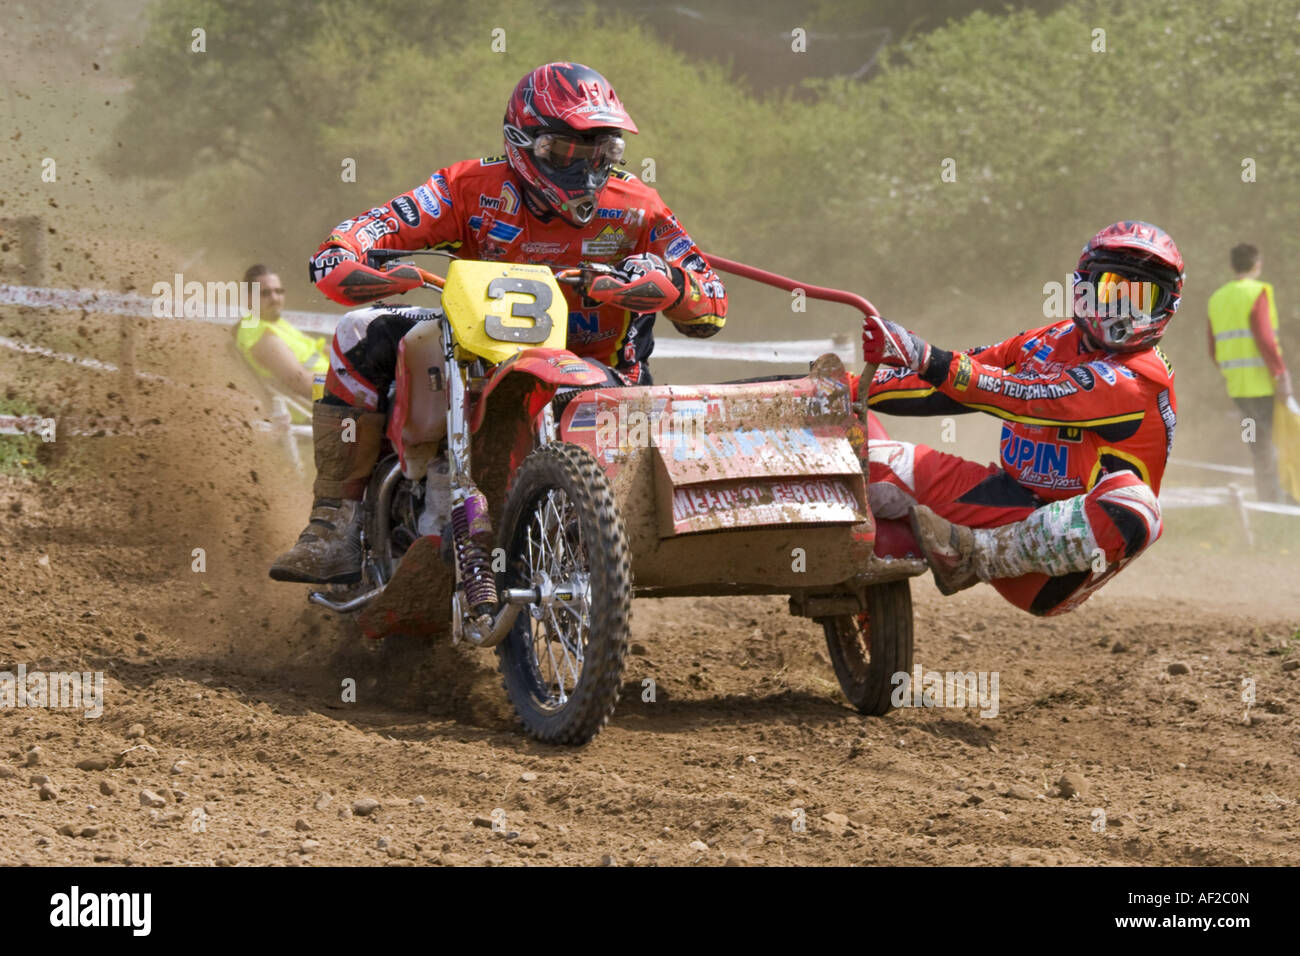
point(868, 649)
point(564, 537)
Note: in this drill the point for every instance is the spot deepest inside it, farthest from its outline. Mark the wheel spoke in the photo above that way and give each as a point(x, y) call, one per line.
point(565, 654)
point(556, 559)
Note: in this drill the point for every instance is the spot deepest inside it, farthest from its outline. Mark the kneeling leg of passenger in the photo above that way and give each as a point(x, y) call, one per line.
point(1052, 561)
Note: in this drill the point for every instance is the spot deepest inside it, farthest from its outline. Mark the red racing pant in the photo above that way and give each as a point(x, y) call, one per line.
point(1121, 513)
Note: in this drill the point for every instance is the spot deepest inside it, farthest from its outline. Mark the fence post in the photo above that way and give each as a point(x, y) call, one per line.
point(281, 421)
point(29, 232)
point(843, 343)
point(32, 240)
point(126, 358)
point(1239, 502)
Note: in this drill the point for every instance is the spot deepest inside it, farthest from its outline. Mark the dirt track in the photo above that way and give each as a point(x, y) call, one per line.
point(235, 684)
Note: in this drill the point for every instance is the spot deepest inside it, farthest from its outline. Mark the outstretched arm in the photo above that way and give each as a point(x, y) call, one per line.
point(898, 389)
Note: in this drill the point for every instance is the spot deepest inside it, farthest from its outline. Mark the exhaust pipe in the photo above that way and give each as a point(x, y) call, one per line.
point(342, 607)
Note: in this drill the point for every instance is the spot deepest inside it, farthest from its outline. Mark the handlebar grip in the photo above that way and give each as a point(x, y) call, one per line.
point(377, 257)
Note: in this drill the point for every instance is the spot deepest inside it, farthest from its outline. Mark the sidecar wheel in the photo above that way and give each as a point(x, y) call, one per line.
point(562, 533)
point(868, 649)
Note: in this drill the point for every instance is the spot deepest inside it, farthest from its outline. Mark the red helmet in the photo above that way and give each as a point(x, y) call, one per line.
point(562, 137)
point(1127, 286)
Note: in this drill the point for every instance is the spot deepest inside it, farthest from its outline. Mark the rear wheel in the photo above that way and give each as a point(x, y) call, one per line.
point(868, 649)
point(563, 536)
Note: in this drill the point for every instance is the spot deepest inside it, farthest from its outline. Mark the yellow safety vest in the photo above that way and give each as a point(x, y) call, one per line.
point(311, 351)
point(1235, 350)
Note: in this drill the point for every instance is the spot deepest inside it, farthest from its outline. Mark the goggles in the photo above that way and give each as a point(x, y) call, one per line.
point(561, 151)
point(1123, 296)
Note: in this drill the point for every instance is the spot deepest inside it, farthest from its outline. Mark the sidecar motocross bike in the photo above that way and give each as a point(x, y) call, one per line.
point(525, 500)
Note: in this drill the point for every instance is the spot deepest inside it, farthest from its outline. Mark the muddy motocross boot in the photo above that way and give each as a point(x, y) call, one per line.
point(948, 548)
point(329, 549)
point(1055, 539)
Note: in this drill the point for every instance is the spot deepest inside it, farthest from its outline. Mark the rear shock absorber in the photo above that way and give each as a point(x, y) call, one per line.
point(471, 524)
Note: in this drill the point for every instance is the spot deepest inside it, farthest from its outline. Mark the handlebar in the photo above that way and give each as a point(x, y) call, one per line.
point(579, 277)
point(386, 260)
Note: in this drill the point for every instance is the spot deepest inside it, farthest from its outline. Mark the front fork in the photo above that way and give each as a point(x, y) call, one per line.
point(470, 520)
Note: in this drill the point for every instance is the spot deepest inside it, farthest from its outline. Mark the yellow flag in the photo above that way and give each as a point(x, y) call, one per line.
point(1286, 436)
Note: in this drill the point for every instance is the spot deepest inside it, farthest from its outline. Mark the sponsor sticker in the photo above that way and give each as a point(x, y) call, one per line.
point(1168, 416)
point(679, 247)
point(375, 230)
point(544, 248)
point(610, 213)
point(609, 242)
point(1026, 391)
point(428, 201)
point(509, 199)
point(666, 229)
point(1042, 464)
point(1104, 371)
point(507, 202)
point(406, 211)
point(501, 231)
point(584, 328)
point(694, 501)
point(961, 381)
point(1083, 376)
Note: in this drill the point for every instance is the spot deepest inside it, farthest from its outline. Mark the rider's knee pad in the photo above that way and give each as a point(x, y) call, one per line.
point(1123, 504)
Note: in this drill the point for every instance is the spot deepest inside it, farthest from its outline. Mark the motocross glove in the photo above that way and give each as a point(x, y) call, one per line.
point(888, 343)
point(319, 265)
point(645, 283)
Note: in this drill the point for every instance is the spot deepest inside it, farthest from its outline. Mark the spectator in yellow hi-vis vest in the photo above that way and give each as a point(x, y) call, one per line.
point(1243, 343)
point(289, 362)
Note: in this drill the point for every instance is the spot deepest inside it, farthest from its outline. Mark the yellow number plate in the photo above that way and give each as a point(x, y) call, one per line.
point(499, 308)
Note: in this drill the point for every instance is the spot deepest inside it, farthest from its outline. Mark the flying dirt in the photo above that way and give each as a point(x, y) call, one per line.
point(230, 735)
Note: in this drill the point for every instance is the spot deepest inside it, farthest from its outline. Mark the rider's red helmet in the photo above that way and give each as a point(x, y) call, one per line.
point(562, 130)
point(1127, 286)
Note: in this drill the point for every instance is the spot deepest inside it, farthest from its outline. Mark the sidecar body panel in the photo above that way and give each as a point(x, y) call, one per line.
point(744, 488)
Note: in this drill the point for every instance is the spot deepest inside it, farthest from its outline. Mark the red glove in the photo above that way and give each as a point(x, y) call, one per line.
point(645, 283)
point(888, 343)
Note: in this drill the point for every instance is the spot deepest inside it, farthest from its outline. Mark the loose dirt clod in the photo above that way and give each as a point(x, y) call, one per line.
point(1071, 785)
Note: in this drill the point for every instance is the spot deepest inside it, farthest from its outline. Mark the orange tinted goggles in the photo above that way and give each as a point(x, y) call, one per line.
point(1119, 295)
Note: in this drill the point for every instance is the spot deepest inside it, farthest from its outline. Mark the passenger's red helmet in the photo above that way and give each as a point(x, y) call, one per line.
point(1127, 286)
point(562, 130)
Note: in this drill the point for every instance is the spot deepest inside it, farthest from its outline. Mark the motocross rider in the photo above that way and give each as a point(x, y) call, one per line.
point(1088, 415)
point(554, 198)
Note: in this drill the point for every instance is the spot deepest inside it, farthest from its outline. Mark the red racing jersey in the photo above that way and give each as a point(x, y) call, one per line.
point(1070, 413)
point(476, 209)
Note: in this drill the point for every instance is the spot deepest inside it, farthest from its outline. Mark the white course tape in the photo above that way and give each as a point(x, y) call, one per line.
point(1216, 497)
point(119, 303)
point(322, 323)
point(34, 425)
point(1210, 466)
point(96, 364)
